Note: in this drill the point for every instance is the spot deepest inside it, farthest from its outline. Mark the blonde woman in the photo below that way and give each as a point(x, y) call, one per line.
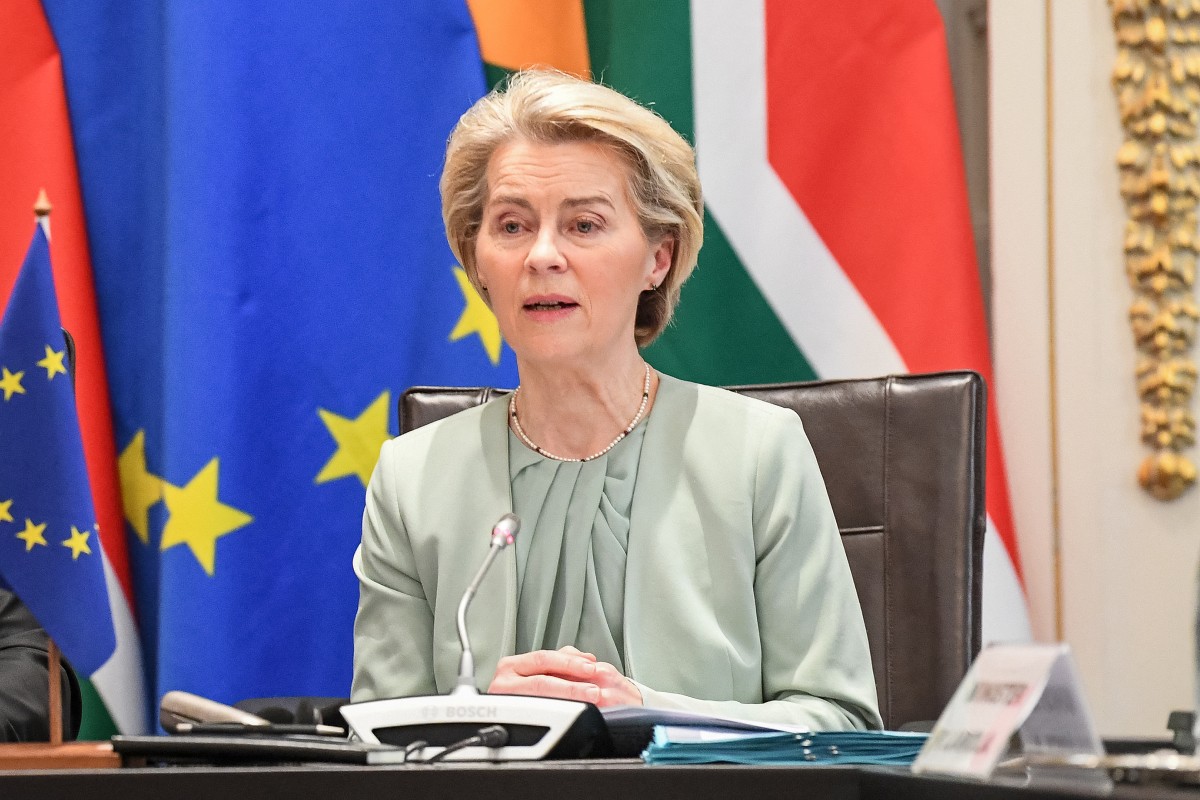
point(678, 547)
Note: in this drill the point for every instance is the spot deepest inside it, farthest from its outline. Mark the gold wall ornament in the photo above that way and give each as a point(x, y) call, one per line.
point(1156, 79)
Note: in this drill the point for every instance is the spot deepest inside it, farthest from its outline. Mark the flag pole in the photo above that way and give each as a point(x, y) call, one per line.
point(41, 209)
point(56, 715)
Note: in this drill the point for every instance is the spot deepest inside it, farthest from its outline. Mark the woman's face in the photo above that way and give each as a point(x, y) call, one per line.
point(562, 253)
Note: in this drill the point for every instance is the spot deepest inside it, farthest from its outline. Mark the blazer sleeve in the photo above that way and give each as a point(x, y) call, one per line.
point(393, 630)
point(816, 662)
point(24, 673)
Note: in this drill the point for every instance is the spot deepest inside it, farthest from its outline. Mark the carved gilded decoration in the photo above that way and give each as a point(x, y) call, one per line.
point(1157, 83)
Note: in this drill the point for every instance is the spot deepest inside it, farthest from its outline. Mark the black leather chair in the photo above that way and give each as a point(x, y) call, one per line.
point(903, 460)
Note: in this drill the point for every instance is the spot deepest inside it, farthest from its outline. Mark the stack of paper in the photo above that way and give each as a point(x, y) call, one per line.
point(701, 745)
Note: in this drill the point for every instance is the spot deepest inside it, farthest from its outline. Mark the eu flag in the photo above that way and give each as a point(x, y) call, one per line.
point(260, 183)
point(49, 548)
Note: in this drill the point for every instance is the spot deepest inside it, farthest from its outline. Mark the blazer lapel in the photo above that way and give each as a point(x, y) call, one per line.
point(492, 621)
point(652, 546)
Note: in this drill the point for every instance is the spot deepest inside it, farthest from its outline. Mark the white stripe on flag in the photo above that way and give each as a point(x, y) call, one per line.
point(119, 681)
point(828, 319)
point(1005, 614)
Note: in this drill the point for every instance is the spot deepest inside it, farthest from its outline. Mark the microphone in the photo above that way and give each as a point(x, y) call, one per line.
point(468, 726)
point(502, 536)
point(184, 708)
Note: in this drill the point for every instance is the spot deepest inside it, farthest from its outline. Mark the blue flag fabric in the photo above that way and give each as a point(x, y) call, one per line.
point(49, 544)
point(260, 182)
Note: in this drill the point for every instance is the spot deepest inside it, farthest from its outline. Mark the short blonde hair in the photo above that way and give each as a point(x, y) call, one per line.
point(551, 107)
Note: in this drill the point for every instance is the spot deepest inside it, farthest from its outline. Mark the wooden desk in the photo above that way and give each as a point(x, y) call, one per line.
point(552, 781)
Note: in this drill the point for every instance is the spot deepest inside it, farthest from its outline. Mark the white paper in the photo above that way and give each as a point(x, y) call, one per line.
point(689, 735)
point(628, 716)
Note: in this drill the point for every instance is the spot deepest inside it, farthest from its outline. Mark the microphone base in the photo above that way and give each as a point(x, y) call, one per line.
point(538, 727)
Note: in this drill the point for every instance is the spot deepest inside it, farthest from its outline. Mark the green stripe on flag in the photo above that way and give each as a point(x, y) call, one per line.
point(645, 51)
point(495, 75)
point(97, 725)
point(724, 332)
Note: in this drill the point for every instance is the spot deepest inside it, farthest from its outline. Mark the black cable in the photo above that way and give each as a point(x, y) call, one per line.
point(491, 736)
point(413, 747)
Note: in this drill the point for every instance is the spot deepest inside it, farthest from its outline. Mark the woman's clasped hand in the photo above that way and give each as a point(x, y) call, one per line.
point(566, 673)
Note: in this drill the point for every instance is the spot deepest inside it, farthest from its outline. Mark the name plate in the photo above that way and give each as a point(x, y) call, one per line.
point(1033, 689)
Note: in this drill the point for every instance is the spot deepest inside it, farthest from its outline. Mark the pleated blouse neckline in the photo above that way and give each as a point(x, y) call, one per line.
point(571, 552)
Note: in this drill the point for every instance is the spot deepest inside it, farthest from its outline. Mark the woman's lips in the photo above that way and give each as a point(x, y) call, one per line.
point(545, 306)
point(549, 307)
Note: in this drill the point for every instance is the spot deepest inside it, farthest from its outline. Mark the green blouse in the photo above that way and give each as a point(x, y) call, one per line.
point(572, 547)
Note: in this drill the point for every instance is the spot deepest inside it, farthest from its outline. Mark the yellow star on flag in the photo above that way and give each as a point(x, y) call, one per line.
point(139, 489)
point(5, 513)
point(33, 535)
point(476, 318)
point(358, 440)
point(198, 518)
point(78, 543)
point(53, 363)
point(11, 383)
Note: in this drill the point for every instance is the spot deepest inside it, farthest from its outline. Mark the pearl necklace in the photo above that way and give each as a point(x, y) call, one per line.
point(512, 414)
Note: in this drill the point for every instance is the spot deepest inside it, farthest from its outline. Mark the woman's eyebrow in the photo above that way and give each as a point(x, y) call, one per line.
point(590, 200)
point(570, 202)
point(510, 200)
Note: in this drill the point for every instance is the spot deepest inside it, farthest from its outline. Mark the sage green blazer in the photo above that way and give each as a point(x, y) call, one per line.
point(738, 596)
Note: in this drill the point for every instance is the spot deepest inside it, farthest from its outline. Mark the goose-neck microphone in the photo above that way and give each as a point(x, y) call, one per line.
point(463, 725)
point(502, 536)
